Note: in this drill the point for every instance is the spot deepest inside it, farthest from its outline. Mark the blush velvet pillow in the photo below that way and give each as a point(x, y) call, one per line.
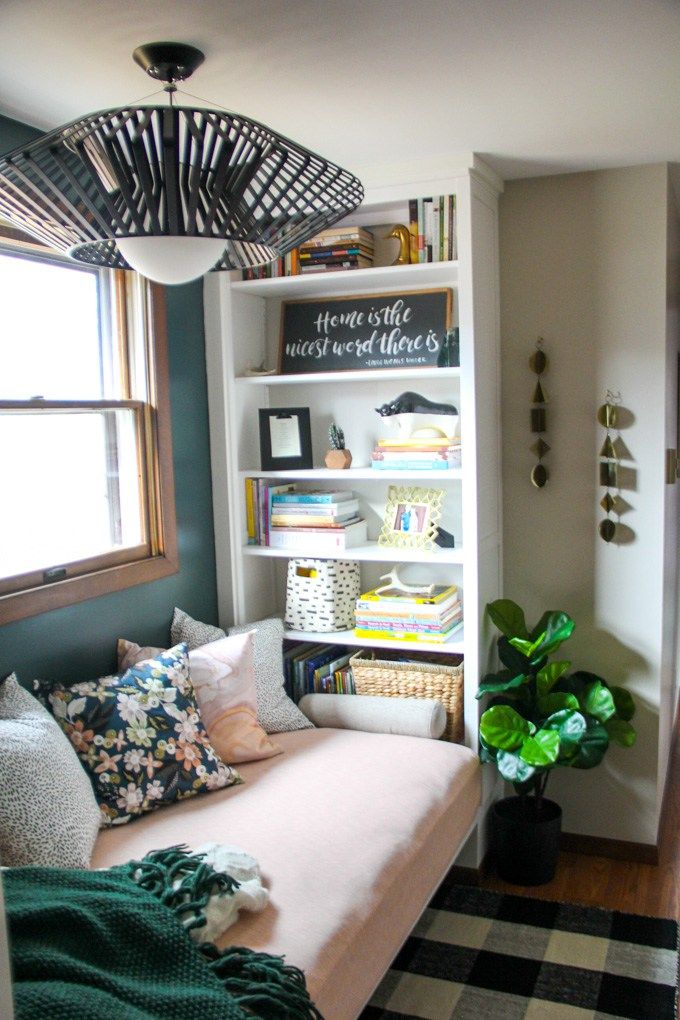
point(276, 712)
point(223, 677)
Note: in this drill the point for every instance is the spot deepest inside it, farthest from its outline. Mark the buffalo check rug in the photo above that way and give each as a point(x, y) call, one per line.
point(476, 954)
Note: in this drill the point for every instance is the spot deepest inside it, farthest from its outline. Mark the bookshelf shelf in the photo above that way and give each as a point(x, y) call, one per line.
point(354, 281)
point(416, 375)
point(369, 553)
point(357, 474)
point(455, 646)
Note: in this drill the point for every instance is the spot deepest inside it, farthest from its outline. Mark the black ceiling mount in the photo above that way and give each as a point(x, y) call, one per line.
point(168, 61)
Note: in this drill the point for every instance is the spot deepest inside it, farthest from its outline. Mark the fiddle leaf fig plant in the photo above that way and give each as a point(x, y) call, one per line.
point(540, 716)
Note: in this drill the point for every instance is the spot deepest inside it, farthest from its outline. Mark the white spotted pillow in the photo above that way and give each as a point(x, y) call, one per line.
point(48, 812)
point(276, 713)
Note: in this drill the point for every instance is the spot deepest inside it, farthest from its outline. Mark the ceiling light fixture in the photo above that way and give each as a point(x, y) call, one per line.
point(172, 191)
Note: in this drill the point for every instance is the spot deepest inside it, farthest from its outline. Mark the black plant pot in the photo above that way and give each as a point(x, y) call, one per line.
point(526, 848)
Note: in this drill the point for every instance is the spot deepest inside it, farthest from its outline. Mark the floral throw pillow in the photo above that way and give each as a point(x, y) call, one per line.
point(223, 678)
point(141, 737)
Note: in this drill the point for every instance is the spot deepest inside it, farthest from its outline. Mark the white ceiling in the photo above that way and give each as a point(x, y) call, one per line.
point(534, 86)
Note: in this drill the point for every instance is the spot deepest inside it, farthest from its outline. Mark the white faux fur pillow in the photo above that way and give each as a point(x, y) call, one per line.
point(48, 811)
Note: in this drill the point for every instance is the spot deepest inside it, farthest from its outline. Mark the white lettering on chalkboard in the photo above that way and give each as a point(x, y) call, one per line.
point(380, 330)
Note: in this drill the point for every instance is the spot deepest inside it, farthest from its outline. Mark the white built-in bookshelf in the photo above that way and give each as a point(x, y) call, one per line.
point(242, 331)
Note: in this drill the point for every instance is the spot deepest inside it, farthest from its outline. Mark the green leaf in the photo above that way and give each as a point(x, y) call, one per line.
point(508, 617)
point(542, 749)
point(597, 701)
point(540, 626)
point(558, 628)
point(504, 728)
point(592, 748)
point(621, 731)
point(547, 677)
point(623, 700)
point(571, 727)
point(522, 645)
point(494, 682)
point(513, 769)
point(512, 658)
point(556, 701)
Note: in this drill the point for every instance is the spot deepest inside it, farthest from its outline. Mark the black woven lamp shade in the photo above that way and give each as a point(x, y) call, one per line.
point(172, 172)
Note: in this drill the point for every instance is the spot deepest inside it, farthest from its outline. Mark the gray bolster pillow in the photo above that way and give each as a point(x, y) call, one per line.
point(410, 717)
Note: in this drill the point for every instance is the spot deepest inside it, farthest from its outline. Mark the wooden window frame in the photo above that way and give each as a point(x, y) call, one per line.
point(158, 556)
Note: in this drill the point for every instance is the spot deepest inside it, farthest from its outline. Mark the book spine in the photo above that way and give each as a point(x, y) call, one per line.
point(453, 227)
point(385, 635)
point(413, 229)
point(411, 465)
point(441, 253)
point(421, 230)
point(306, 497)
point(427, 213)
point(435, 228)
point(250, 512)
point(293, 521)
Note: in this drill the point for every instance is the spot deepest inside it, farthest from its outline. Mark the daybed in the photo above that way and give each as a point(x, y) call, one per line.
point(352, 830)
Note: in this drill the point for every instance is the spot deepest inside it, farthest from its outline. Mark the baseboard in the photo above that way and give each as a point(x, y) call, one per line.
point(616, 849)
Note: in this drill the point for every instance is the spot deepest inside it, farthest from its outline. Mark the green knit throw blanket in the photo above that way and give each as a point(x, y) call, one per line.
point(114, 945)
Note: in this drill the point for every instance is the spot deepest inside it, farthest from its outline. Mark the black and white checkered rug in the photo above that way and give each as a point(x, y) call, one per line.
point(479, 955)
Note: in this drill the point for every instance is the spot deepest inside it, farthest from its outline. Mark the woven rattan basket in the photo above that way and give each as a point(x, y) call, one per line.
point(441, 679)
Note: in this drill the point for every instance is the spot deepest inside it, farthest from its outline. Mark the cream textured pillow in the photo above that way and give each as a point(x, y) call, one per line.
point(223, 678)
point(276, 712)
point(48, 811)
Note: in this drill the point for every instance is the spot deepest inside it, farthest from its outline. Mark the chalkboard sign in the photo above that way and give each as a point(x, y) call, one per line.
point(396, 330)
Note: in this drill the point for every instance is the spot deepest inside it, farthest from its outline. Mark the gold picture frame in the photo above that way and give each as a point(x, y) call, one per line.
point(412, 514)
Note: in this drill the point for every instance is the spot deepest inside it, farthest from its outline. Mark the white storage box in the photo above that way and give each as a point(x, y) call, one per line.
point(321, 594)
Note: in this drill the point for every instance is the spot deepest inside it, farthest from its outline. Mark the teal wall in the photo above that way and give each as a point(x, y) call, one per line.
point(78, 642)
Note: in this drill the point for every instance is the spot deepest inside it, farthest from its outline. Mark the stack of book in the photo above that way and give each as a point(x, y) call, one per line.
point(337, 248)
point(403, 616)
point(287, 265)
point(432, 224)
point(426, 453)
point(316, 669)
point(320, 522)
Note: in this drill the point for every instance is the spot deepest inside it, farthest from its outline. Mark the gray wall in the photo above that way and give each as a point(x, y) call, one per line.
point(78, 642)
point(584, 264)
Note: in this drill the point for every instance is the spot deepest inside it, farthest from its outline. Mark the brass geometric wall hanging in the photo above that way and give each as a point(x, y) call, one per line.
point(609, 465)
point(538, 363)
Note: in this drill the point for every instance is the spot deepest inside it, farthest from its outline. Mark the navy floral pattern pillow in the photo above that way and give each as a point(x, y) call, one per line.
point(140, 737)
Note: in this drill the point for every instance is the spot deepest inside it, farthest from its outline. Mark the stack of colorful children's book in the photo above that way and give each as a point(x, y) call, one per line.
point(392, 614)
point(317, 669)
point(320, 522)
point(337, 248)
point(425, 453)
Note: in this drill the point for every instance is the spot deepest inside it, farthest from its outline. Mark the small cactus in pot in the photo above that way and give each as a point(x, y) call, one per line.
point(338, 456)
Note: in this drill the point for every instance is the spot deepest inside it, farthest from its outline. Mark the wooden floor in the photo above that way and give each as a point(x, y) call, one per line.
point(619, 885)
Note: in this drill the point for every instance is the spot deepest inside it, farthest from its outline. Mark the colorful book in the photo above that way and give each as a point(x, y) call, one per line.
point(250, 512)
point(413, 229)
point(412, 465)
point(323, 540)
point(385, 635)
point(315, 496)
point(312, 522)
point(434, 441)
point(344, 508)
point(439, 594)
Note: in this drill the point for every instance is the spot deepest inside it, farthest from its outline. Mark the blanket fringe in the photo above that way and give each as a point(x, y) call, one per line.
point(181, 880)
point(261, 983)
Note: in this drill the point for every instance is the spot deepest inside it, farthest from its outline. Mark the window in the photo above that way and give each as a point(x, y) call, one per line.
point(85, 454)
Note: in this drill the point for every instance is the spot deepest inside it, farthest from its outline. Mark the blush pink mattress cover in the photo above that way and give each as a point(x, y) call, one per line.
point(352, 831)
